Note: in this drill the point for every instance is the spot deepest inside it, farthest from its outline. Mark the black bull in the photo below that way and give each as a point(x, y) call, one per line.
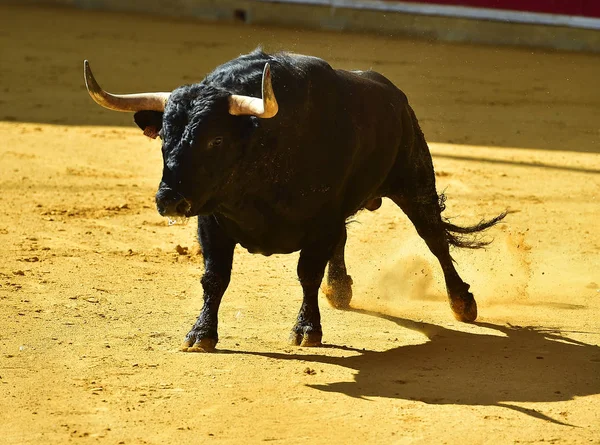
point(279, 166)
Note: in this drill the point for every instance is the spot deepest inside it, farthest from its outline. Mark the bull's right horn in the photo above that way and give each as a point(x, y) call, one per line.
point(123, 102)
point(264, 107)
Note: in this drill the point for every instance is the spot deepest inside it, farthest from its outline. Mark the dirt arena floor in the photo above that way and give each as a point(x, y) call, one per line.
point(97, 292)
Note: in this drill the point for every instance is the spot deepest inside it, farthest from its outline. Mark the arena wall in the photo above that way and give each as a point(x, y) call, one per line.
point(448, 20)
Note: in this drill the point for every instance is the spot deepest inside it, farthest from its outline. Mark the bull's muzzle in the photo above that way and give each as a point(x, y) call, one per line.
point(172, 203)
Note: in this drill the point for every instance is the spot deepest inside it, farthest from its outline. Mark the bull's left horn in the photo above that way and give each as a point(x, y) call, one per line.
point(265, 107)
point(123, 102)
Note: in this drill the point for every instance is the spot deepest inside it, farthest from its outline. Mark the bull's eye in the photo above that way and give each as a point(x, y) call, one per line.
point(216, 142)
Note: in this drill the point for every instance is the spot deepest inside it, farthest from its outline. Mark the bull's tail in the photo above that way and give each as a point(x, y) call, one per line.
point(466, 236)
point(463, 236)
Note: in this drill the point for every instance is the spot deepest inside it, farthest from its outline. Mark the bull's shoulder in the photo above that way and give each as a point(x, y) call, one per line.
point(302, 65)
point(302, 60)
point(372, 81)
point(373, 76)
point(243, 74)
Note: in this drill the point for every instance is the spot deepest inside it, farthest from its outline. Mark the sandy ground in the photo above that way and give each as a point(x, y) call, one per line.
point(96, 297)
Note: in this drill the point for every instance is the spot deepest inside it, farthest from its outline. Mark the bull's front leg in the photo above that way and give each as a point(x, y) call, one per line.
point(217, 249)
point(311, 269)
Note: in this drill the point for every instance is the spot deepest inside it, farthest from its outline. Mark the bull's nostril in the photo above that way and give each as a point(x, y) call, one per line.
point(183, 207)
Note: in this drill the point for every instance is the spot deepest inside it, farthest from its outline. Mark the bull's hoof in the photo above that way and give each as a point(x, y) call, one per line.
point(339, 292)
point(195, 342)
point(308, 337)
point(464, 308)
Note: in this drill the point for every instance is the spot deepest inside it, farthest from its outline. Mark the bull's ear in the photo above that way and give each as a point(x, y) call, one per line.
point(149, 121)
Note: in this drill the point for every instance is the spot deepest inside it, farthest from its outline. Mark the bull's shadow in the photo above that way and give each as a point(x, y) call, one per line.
point(520, 364)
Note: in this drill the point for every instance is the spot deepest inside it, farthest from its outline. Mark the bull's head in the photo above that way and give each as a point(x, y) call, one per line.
point(203, 131)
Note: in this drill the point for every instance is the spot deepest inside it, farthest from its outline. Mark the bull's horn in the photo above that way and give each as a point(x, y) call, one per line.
point(266, 107)
point(123, 102)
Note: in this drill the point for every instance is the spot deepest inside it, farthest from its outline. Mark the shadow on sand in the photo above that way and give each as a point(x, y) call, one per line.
point(519, 164)
point(519, 364)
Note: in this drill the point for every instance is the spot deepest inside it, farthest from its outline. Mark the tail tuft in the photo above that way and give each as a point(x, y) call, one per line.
point(460, 236)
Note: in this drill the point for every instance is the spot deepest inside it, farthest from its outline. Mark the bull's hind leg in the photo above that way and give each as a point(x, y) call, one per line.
point(339, 284)
point(425, 214)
